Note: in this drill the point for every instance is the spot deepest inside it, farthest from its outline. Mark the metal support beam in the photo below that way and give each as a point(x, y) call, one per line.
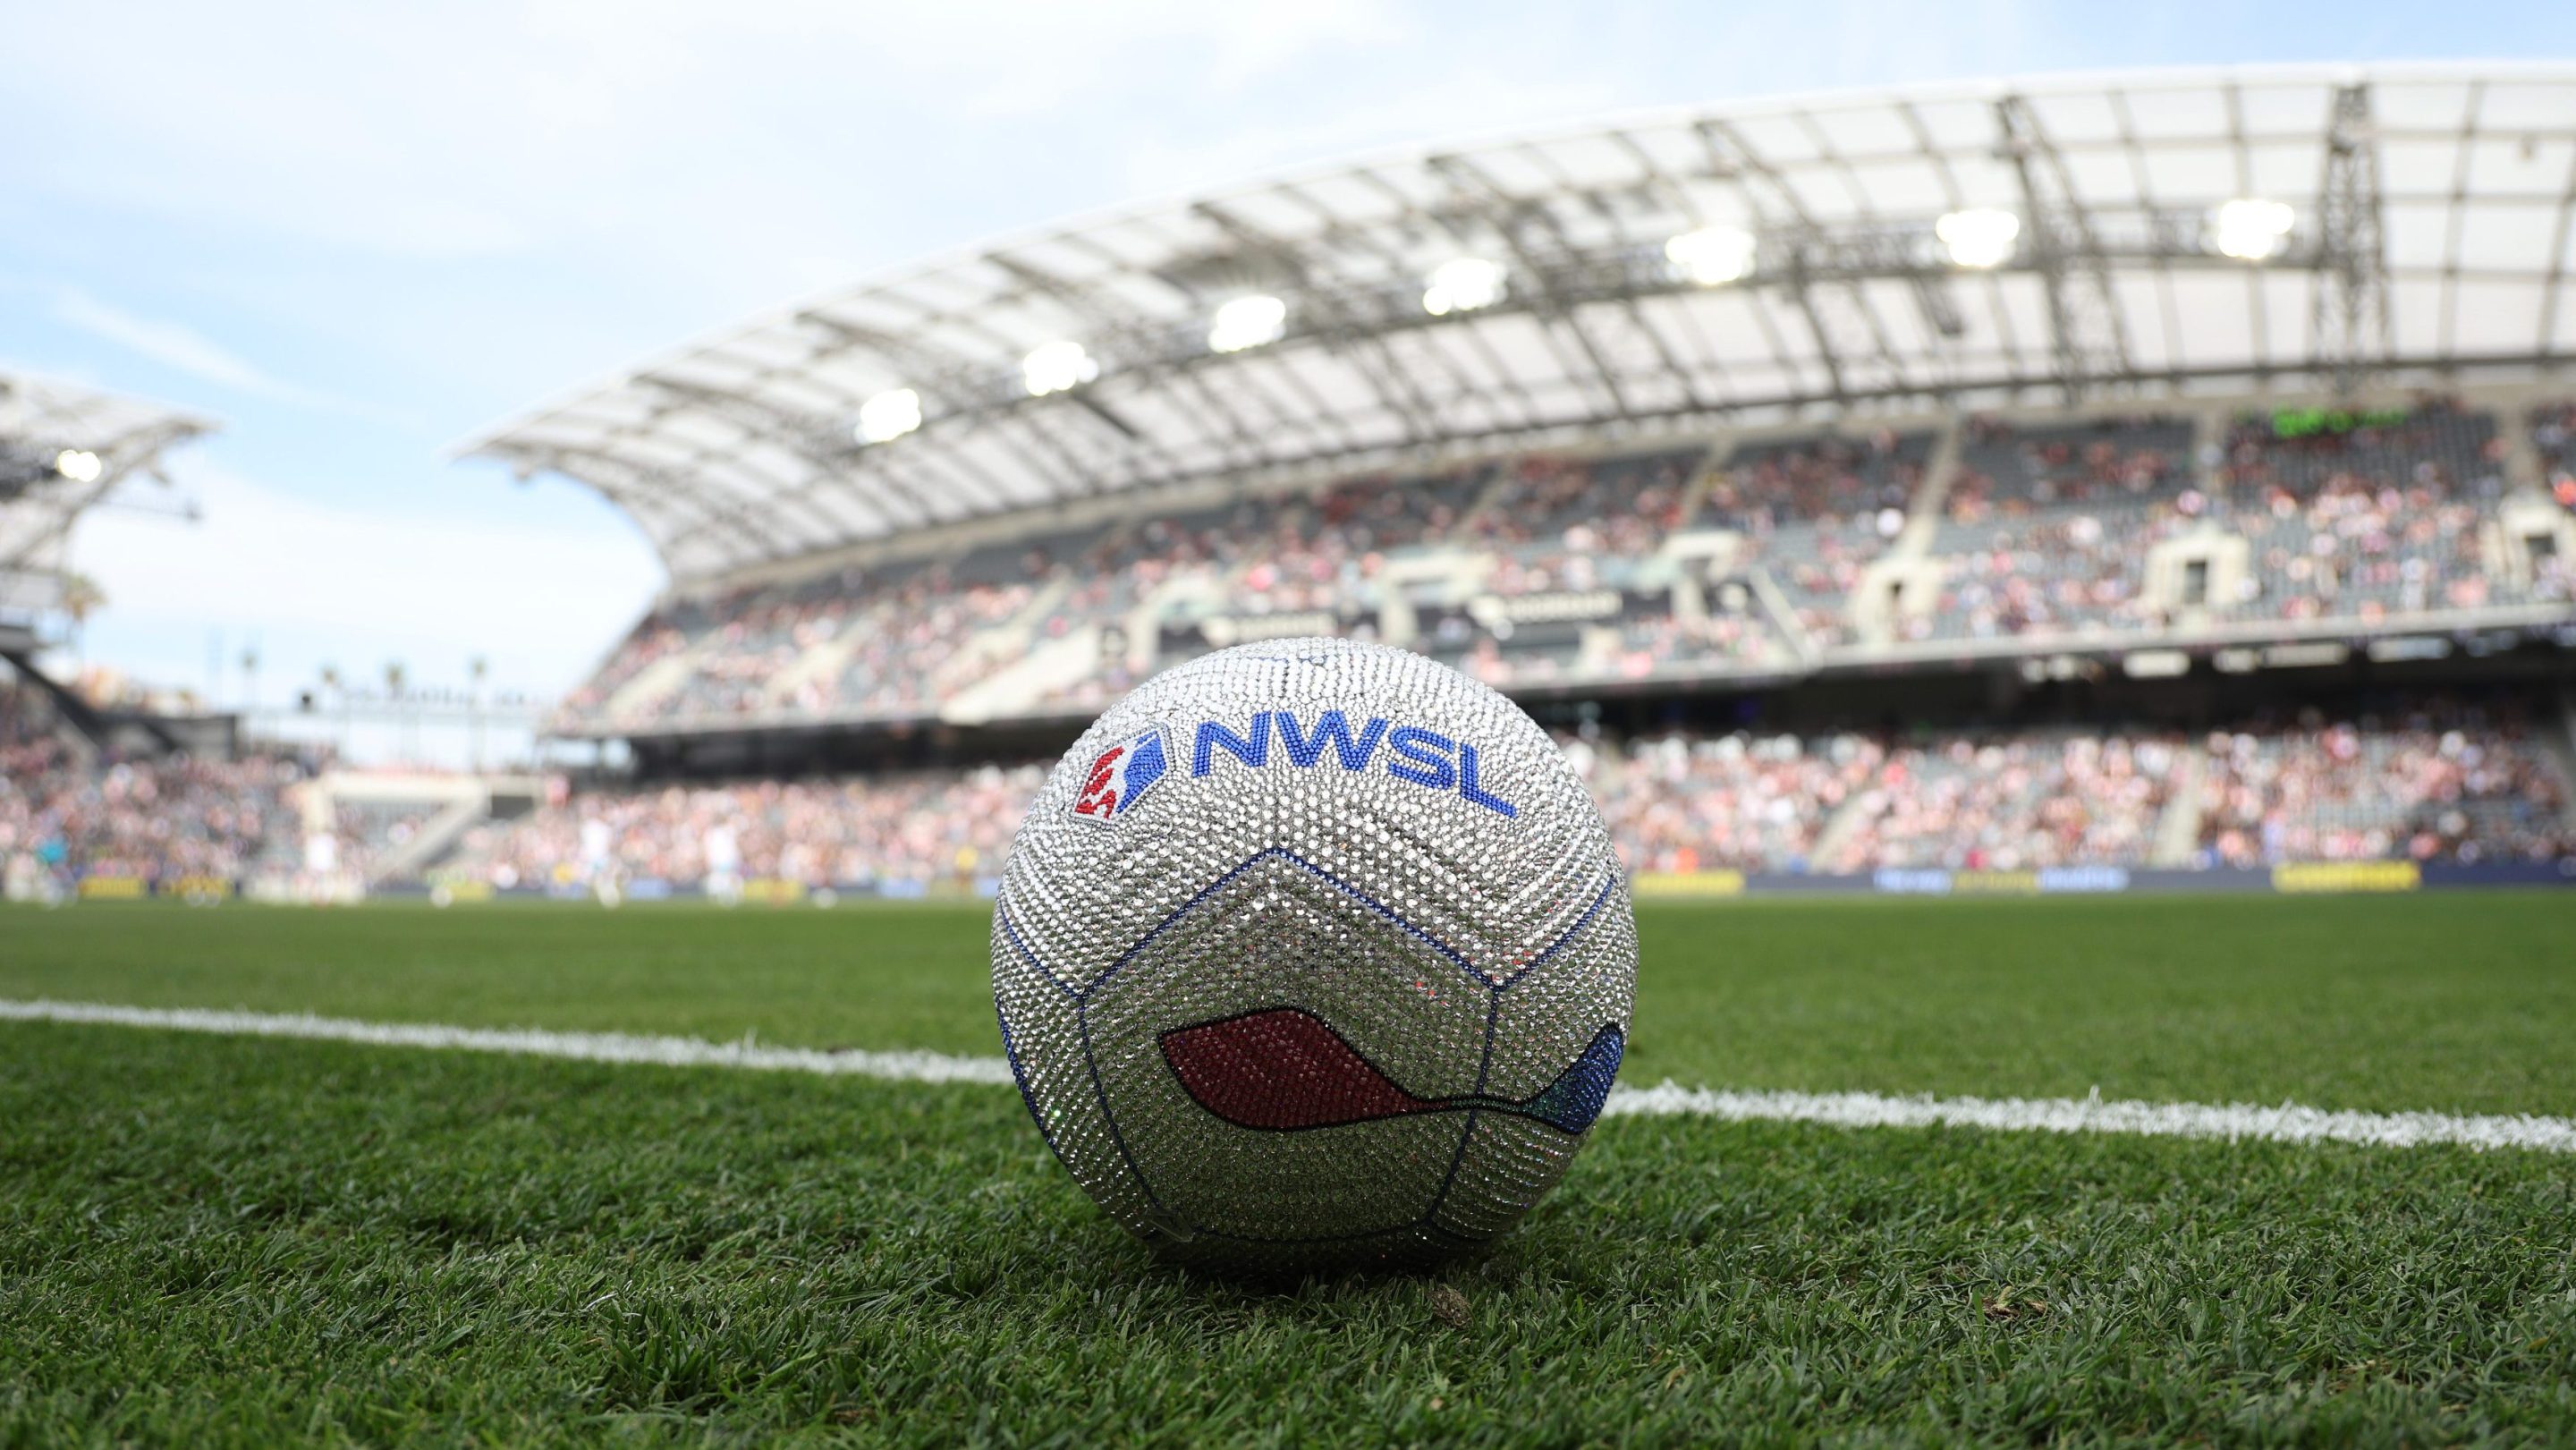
point(2349, 322)
point(1510, 217)
point(2087, 340)
point(1221, 420)
point(61, 507)
point(952, 380)
point(1343, 333)
point(824, 447)
point(1788, 226)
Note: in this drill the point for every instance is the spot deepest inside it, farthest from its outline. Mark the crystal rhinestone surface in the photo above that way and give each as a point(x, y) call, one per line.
point(1314, 952)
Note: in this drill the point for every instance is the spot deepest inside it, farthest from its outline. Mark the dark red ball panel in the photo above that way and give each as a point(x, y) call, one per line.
point(1283, 1069)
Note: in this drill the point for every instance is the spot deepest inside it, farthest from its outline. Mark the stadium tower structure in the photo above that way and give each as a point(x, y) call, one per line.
point(63, 451)
point(2168, 331)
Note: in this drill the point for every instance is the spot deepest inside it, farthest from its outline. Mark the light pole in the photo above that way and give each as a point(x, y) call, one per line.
point(339, 697)
point(394, 675)
point(476, 669)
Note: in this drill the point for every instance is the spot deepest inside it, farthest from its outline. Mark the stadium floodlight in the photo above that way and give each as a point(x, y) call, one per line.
point(889, 416)
point(1979, 237)
point(1464, 284)
point(2250, 228)
point(1712, 256)
point(78, 464)
point(1057, 367)
point(1247, 322)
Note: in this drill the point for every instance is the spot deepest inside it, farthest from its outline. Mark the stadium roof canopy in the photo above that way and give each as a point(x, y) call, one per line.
point(62, 449)
point(2146, 235)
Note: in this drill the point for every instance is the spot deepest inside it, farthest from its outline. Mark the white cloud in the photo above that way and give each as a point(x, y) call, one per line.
point(318, 584)
point(1438, 109)
point(479, 130)
point(177, 345)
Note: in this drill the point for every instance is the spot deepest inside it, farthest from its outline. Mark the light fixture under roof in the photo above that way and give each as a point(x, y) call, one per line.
point(1464, 284)
point(1712, 256)
point(1979, 236)
point(1057, 367)
point(2250, 228)
point(1247, 322)
point(78, 464)
point(889, 416)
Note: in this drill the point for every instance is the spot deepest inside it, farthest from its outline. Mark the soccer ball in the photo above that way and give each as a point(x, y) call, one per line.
point(1313, 953)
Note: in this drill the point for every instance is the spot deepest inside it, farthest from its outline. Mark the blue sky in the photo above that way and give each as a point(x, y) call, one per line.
point(357, 233)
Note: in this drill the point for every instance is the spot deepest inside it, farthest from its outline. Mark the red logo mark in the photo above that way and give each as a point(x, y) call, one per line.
point(1099, 796)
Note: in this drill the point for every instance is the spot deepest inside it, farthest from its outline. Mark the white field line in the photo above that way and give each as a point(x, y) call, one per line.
point(528, 1042)
point(2287, 1123)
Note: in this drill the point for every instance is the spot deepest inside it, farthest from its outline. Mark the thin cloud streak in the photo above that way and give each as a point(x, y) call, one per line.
point(177, 345)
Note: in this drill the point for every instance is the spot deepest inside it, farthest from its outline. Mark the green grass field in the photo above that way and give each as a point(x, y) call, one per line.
point(222, 1240)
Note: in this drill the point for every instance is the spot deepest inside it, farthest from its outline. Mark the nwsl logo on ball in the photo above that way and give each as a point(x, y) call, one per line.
point(1120, 775)
point(1409, 753)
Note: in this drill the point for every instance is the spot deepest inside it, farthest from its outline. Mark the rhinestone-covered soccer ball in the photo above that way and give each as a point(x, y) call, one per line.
point(1311, 953)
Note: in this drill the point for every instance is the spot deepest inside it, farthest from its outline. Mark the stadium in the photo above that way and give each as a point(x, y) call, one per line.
point(2176, 457)
point(2153, 488)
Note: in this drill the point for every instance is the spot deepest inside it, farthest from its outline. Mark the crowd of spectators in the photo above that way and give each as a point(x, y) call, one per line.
point(2006, 471)
point(2363, 516)
point(1773, 485)
point(2015, 803)
point(2433, 781)
point(2054, 572)
point(1684, 803)
point(1816, 513)
point(2553, 435)
point(367, 834)
point(2440, 786)
point(1736, 636)
point(2041, 530)
point(909, 655)
point(2436, 785)
point(886, 833)
point(2382, 517)
point(66, 815)
point(1617, 505)
point(2048, 529)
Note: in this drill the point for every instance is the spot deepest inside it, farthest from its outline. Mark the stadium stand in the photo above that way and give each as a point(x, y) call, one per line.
point(368, 832)
point(2439, 784)
point(69, 814)
point(2012, 803)
point(1680, 803)
point(1865, 547)
point(2050, 527)
point(1554, 570)
point(2430, 781)
point(890, 834)
point(1570, 571)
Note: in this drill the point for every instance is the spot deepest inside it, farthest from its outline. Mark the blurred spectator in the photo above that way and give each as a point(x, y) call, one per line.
point(153, 820)
point(2046, 530)
point(2013, 804)
point(884, 832)
point(2443, 784)
point(2365, 518)
point(1741, 802)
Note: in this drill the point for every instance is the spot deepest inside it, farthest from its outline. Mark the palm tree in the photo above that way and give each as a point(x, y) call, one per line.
point(81, 598)
point(340, 693)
